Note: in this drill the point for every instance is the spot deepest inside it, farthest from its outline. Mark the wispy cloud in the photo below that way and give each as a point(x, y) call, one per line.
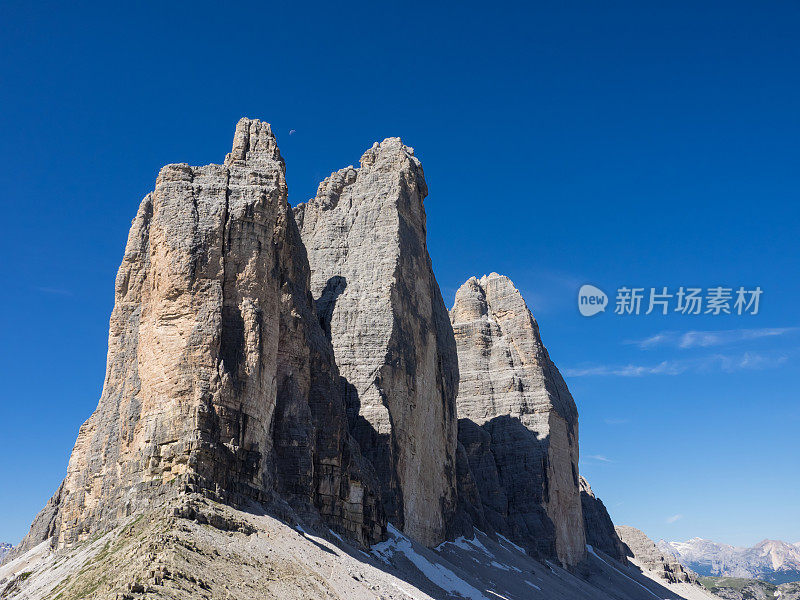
point(292, 131)
point(663, 368)
point(708, 339)
point(705, 364)
point(616, 421)
point(598, 457)
point(674, 518)
point(54, 291)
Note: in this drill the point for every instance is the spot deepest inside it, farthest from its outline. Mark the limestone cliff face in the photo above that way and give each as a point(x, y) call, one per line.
point(219, 378)
point(517, 421)
point(379, 302)
point(644, 551)
point(598, 527)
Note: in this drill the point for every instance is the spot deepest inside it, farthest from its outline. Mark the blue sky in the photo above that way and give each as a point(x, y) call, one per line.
point(616, 143)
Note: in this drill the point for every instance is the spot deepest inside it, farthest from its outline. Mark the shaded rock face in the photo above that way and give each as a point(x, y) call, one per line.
point(219, 378)
point(598, 527)
point(517, 421)
point(379, 302)
point(644, 551)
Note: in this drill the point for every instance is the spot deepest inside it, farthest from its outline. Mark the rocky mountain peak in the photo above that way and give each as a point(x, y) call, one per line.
point(378, 299)
point(253, 141)
point(771, 560)
point(219, 378)
point(282, 390)
point(517, 421)
point(643, 552)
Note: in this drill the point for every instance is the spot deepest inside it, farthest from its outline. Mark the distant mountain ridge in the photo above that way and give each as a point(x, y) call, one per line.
point(4, 549)
point(770, 560)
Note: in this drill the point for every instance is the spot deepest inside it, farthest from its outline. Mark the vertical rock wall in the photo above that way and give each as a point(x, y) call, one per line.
point(379, 301)
point(219, 378)
point(517, 421)
point(255, 350)
point(598, 527)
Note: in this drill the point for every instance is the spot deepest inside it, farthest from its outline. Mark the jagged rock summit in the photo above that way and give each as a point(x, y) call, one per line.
point(771, 560)
point(517, 421)
point(219, 378)
point(644, 553)
point(378, 299)
point(274, 392)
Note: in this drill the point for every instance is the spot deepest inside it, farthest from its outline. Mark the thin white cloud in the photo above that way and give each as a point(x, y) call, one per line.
point(663, 368)
point(292, 131)
point(599, 457)
point(655, 340)
point(54, 291)
point(674, 518)
point(708, 339)
point(705, 364)
point(616, 421)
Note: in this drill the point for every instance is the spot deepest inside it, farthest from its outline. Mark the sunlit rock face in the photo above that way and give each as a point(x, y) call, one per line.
point(219, 378)
point(517, 421)
point(644, 551)
point(376, 294)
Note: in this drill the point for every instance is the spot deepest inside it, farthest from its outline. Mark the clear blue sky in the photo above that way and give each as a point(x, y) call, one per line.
point(617, 143)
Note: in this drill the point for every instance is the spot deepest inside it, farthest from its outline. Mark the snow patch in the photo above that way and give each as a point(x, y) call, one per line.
point(496, 594)
point(593, 553)
point(510, 543)
point(497, 565)
point(533, 585)
point(336, 535)
point(438, 574)
point(465, 544)
point(477, 543)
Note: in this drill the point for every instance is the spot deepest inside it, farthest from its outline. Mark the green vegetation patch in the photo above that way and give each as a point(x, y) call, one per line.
point(739, 584)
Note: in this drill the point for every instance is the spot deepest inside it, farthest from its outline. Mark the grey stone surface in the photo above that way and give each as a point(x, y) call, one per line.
point(4, 550)
point(378, 299)
point(219, 377)
point(275, 377)
point(644, 551)
point(517, 421)
point(774, 561)
point(200, 550)
point(737, 588)
point(598, 527)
